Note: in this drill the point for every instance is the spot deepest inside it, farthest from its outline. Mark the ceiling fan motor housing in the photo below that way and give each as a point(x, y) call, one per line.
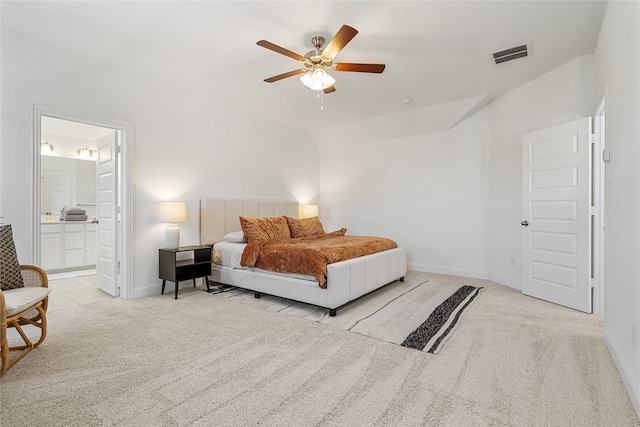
point(315, 59)
point(317, 42)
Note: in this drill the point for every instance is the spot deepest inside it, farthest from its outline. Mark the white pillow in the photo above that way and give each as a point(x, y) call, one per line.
point(236, 237)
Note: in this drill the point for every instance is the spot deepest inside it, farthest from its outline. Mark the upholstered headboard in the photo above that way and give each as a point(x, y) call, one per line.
point(221, 216)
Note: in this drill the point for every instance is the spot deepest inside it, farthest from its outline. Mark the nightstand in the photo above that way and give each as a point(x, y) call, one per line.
point(175, 270)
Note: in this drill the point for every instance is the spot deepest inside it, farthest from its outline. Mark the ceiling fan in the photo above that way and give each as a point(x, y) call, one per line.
point(317, 62)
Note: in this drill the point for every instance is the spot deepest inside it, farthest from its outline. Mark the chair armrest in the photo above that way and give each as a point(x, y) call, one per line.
point(3, 315)
point(3, 322)
point(34, 276)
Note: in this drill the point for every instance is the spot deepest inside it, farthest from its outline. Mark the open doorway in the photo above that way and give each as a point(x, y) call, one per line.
point(81, 198)
point(68, 196)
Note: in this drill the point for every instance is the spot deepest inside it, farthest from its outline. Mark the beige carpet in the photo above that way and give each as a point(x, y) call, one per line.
point(210, 361)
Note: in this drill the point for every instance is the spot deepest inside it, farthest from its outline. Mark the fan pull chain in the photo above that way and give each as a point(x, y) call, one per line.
point(320, 97)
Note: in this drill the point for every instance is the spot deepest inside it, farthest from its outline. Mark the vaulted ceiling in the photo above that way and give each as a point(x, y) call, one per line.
point(436, 52)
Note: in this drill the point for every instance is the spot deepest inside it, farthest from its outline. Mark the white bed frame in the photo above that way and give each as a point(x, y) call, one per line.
point(346, 280)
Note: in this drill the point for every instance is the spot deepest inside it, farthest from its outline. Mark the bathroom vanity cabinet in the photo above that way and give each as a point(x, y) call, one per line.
point(68, 245)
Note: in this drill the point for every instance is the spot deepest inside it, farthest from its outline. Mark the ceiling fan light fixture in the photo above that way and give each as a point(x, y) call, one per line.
point(319, 75)
point(317, 79)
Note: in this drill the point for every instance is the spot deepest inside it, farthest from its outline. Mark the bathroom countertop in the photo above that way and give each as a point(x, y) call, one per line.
point(57, 221)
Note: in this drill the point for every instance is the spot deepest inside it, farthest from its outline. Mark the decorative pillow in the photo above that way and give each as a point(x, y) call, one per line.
point(305, 227)
point(236, 237)
point(270, 228)
point(10, 274)
point(216, 257)
point(340, 232)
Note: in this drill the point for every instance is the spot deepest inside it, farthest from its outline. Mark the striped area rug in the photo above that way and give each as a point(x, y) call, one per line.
point(421, 316)
point(417, 313)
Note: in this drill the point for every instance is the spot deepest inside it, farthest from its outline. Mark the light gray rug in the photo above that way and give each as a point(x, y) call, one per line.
point(202, 361)
point(416, 313)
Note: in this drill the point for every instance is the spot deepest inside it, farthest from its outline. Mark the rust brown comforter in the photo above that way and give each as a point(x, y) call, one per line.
point(310, 255)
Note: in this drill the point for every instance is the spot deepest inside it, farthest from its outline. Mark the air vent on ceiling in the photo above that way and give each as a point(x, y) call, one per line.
point(512, 53)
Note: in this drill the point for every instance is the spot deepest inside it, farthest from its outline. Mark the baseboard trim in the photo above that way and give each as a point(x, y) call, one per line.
point(633, 389)
point(507, 281)
point(147, 290)
point(473, 274)
point(154, 289)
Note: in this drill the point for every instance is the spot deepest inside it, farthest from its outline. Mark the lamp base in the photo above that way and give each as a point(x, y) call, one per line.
point(173, 236)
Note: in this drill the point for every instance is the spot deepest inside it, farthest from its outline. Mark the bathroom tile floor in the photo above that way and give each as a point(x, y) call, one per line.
point(73, 289)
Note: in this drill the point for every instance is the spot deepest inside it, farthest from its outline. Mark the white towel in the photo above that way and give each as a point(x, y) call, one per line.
point(72, 210)
point(74, 217)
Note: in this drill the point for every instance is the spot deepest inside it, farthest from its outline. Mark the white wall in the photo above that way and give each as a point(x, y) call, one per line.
point(618, 81)
point(186, 145)
point(427, 192)
point(451, 198)
point(562, 95)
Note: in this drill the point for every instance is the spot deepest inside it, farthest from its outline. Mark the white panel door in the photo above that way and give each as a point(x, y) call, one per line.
point(556, 226)
point(107, 205)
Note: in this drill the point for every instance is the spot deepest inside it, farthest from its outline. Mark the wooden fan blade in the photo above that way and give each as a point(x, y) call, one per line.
point(330, 89)
point(339, 41)
point(281, 50)
point(284, 75)
point(360, 68)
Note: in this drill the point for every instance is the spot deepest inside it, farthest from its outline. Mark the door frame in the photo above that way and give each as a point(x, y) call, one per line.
point(126, 130)
point(599, 186)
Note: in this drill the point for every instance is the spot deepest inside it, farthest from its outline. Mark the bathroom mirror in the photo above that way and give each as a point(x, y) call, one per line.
point(67, 182)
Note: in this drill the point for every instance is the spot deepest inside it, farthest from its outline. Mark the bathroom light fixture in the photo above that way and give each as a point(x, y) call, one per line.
point(46, 148)
point(84, 152)
point(173, 212)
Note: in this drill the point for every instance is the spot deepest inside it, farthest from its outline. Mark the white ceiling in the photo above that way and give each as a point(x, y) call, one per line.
point(436, 52)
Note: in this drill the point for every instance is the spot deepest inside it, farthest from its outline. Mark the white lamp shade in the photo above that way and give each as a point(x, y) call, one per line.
point(173, 212)
point(307, 211)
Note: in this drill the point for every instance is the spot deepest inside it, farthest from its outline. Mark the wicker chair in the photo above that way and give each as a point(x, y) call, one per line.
point(23, 306)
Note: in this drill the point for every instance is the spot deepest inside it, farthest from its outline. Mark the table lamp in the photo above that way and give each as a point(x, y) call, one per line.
point(173, 212)
point(307, 211)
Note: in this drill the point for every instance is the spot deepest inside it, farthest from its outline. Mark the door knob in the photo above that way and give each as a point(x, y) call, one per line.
point(525, 223)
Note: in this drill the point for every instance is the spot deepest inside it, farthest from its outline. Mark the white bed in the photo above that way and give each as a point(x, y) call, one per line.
point(346, 280)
